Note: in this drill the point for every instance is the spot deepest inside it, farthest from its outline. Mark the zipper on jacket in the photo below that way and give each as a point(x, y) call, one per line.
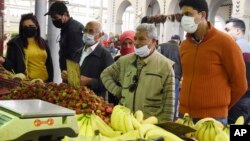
point(197, 47)
point(138, 73)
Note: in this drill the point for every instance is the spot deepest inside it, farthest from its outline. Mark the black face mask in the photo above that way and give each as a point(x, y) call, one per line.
point(58, 23)
point(29, 31)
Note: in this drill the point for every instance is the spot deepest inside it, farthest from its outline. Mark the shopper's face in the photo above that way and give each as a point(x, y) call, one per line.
point(58, 20)
point(127, 43)
point(141, 39)
point(231, 30)
point(28, 23)
point(93, 29)
point(189, 11)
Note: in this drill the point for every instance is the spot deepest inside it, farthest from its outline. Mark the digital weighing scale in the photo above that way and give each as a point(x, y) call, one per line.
point(35, 120)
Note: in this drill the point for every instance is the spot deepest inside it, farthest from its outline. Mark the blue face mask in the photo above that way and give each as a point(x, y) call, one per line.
point(88, 39)
point(142, 51)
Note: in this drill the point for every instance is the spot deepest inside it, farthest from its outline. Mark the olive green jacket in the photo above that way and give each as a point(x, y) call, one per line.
point(155, 87)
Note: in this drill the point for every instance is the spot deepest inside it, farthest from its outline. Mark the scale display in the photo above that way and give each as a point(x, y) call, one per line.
point(35, 120)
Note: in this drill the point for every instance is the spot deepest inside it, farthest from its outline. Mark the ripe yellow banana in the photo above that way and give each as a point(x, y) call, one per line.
point(130, 135)
point(136, 123)
point(83, 127)
point(239, 121)
point(120, 122)
point(157, 132)
point(217, 129)
point(114, 121)
point(139, 115)
point(103, 127)
point(179, 120)
point(221, 136)
point(213, 132)
point(226, 129)
point(188, 121)
point(89, 131)
point(150, 120)
point(200, 131)
point(128, 122)
point(206, 134)
point(145, 128)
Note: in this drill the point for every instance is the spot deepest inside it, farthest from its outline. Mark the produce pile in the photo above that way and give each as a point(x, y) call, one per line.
point(208, 129)
point(125, 126)
point(82, 100)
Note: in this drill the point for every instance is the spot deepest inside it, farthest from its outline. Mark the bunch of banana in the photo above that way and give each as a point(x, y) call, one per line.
point(86, 131)
point(85, 128)
point(123, 120)
point(102, 127)
point(207, 131)
point(151, 131)
point(201, 121)
point(188, 121)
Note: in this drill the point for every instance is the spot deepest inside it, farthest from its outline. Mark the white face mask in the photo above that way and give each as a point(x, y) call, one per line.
point(188, 24)
point(142, 51)
point(88, 39)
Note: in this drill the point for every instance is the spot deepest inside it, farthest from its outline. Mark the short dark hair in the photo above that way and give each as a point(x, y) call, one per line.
point(176, 37)
point(238, 23)
point(199, 5)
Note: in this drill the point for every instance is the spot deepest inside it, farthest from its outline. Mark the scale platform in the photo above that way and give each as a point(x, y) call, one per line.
point(35, 120)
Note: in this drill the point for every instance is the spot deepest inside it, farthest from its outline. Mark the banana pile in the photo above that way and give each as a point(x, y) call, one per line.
point(124, 125)
point(208, 129)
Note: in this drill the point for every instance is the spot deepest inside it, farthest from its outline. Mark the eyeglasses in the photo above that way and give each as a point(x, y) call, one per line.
point(132, 87)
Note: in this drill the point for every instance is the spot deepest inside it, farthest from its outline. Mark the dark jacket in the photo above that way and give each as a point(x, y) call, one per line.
point(70, 41)
point(93, 65)
point(15, 59)
point(171, 51)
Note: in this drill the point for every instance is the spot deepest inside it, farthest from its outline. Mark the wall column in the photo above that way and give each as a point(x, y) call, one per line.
point(53, 38)
point(40, 10)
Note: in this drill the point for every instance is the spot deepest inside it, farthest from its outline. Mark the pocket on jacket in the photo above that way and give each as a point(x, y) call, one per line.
point(152, 106)
point(155, 84)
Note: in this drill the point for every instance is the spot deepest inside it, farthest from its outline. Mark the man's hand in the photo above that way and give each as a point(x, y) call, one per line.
point(64, 76)
point(2, 60)
point(85, 80)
